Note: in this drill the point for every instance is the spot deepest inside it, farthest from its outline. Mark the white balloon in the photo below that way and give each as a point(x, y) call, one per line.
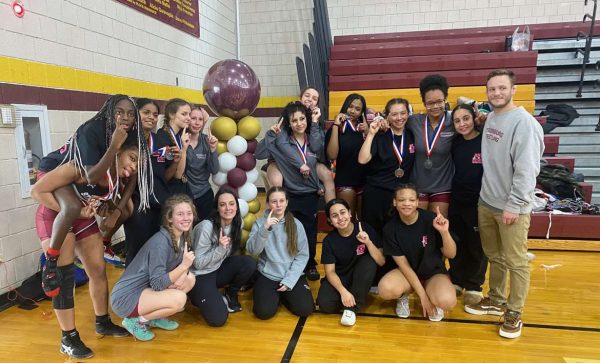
point(219, 178)
point(247, 191)
point(227, 161)
point(252, 176)
point(237, 145)
point(243, 207)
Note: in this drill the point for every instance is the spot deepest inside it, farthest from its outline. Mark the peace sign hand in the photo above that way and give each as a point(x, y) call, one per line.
point(277, 127)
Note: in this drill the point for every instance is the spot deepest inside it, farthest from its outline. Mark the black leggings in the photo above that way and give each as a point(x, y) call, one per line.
point(298, 300)
point(304, 208)
point(205, 295)
point(204, 204)
point(357, 281)
point(467, 268)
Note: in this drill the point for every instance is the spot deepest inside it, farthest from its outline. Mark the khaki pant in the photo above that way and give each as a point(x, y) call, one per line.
point(506, 248)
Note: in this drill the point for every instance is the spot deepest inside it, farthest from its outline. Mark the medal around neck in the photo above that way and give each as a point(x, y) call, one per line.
point(399, 173)
point(428, 164)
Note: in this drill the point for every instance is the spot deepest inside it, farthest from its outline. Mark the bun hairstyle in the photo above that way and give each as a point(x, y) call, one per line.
point(395, 101)
point(433, 82)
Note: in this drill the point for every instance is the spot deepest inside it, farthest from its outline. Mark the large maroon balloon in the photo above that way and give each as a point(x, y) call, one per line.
point(252, 146)
point(231, 88)
point(236, 177)
point(246, 161)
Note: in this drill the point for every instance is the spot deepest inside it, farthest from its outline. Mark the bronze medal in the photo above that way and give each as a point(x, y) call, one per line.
point(399, 173)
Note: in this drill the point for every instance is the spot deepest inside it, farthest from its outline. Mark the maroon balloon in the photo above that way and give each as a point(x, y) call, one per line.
point(236, 177)
point(252, 146)
point(231, 88)
point(246, 161)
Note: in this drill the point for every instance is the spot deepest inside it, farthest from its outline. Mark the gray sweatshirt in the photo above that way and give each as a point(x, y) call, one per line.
point(208, 257)
point(149, 269)
point(438, 179)
point(282, 147)
point(274, 261)
point(200, 164)
point(511, 149)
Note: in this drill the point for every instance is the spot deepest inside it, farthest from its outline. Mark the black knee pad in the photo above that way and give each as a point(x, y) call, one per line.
point(65, 299)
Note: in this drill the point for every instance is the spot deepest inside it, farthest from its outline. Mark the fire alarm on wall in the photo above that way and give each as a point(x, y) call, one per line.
point(18, 8)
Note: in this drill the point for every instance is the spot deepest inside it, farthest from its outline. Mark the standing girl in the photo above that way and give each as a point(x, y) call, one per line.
point(84, 238)
point(202, 160)
point(389, 156)
point(218, 262)
point(433, 132)
point(154, 285)
point(351, 253)
point(177, 122)
point(418, 241)
point(279, 241)
point(343, 142)
point(467, 269)
point(295, 147)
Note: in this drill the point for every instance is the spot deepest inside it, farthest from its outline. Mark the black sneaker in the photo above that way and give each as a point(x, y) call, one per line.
point(72, 346)
point(312, 274)
point(231, 301)
point(51, 277)
point(109, 329)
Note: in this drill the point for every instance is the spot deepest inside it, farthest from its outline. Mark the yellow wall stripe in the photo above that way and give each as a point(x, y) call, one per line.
point(30, 73)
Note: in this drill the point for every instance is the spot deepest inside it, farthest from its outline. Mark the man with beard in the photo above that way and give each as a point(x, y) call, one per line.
point(512, 146)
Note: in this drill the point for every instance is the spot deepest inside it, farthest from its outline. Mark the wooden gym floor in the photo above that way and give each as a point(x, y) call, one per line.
point(562, 324)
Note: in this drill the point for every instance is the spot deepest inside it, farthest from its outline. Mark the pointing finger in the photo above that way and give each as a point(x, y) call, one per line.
point(270, 214)
point(280, 122)
point(437, 209)
point(221, 233)
point(184, 131)
point(360, 226)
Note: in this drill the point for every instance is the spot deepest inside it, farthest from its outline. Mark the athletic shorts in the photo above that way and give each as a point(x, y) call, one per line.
point(357, 190)
point(136, 312)
point(443, 197)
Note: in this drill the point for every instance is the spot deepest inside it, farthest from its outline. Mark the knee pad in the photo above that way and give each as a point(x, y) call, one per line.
point(65, 298)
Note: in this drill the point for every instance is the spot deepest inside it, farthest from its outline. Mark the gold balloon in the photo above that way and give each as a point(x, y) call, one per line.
point(249, 220)
point(221, 147)
point(249, 127)
point(224, 128)
point(254, 206)
point(244, 239)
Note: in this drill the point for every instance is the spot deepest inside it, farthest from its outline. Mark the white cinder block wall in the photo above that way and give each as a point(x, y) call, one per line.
point(101, 36)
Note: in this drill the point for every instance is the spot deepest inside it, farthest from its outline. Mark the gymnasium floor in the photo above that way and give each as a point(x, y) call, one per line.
point(562, 324)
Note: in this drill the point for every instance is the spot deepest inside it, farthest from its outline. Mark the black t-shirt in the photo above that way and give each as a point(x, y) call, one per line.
point(54, 159)
point(159, 165)
point(468, 170)
point(384, 162)
point(419, 242)
point(345, 251)
point(348, 172)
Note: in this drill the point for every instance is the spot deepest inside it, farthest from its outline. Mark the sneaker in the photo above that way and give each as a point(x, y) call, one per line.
point(72, 346)
point(109, 329)
point(112, 258)
point(511, 328)
point(138, 329)
point(472, 297)
point(458, 288)
point(230, 299)
point(312, 274)
point(402, 307)
point(348, 318)
point(438, 316)
point(164, 324)
point(51, 277)
point(486, 307)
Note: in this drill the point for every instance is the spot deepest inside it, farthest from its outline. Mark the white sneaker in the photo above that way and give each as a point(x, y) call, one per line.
point(348, 318)
point(472, 297)
point(530, 257)
point(402, 307)
point(458, 288)
point(439, 315)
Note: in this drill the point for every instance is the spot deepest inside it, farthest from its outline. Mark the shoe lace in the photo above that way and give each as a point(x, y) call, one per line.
point(511, 318)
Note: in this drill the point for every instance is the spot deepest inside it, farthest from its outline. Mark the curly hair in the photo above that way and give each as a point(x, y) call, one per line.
point(433, 82)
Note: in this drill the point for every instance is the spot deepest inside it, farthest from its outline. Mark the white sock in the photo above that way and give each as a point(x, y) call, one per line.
point(142, 319)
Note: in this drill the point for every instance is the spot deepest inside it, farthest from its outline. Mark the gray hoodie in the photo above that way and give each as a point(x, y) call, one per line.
point(283, 149)
point(274, 260)
point(208, 257)
point(511, 149)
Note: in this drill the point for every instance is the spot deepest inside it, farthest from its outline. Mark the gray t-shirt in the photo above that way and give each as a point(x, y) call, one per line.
point(200, 164)
point(149, 269)
point(438, 179)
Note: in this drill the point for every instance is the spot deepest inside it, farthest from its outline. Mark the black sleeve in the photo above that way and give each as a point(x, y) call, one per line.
point(391, 246)
point(91, 141)
point(327, 256)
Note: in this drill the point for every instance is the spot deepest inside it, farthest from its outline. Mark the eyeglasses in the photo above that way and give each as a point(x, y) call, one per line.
point(434, 104)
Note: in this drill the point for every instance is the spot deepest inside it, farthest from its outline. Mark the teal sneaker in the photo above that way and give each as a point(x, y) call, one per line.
point(138, 329)
point(164, 324)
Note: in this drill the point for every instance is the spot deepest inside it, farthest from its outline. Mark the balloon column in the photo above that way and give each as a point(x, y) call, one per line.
point(232, 91)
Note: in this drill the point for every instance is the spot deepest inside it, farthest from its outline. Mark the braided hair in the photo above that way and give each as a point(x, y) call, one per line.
point(106, 115)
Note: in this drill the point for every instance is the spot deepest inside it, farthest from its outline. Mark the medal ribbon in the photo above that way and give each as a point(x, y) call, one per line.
point(347, 123)
point(176, 138)
point(437, 132)
point(398, 151)
point(302, 149)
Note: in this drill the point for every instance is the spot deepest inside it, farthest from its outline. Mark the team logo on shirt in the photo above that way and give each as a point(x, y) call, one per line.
point(201, 156)
point(476, 158)
point(411, 148)
point(447, 134)
point(360, 249)
point(424, 241)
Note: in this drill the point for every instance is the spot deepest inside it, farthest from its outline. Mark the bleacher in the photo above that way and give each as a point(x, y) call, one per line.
point(383, 66)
